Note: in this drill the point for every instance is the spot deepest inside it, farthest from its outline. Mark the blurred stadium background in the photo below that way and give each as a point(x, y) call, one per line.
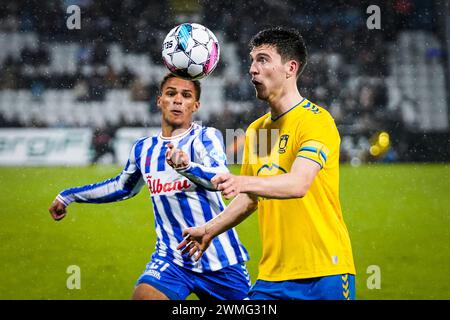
point(73, 101)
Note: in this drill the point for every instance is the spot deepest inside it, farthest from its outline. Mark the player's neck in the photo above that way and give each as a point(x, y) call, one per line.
point(284, 103)
point(168, 131)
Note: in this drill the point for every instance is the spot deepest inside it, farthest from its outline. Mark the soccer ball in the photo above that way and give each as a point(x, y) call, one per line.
point(190, 51)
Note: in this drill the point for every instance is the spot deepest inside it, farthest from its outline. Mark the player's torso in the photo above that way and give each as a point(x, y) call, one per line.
point(160, 177)
point(288, 227)
point(179, 203)
point(273, 145)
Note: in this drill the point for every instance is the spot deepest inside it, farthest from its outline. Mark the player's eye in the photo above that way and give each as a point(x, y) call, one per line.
point(187, 95)
point(171, 93)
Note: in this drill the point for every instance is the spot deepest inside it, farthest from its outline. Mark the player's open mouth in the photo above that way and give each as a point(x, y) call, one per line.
point(176, 112)
point(256, 83)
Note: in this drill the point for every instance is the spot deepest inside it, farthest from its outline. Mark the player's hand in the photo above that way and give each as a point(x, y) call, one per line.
point(229, 184)
point(57, 210)
point(196, 240)
point(176, 158)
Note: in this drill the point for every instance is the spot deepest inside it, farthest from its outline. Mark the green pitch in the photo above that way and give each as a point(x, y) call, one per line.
point(398, 217)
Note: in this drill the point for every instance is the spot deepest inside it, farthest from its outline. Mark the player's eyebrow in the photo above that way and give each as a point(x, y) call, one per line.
point(183, 90)
point(260, 54)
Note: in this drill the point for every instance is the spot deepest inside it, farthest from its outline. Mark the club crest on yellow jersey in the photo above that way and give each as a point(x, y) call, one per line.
point(282, 144)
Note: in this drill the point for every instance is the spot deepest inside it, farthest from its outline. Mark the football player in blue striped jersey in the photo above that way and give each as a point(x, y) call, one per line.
point(182, 197)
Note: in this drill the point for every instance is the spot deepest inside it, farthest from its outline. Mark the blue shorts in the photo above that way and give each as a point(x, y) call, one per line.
point(229, 283)
point(336, 287)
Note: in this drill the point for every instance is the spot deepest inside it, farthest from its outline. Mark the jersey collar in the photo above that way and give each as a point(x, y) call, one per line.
point(275, 119)
point(178, 135)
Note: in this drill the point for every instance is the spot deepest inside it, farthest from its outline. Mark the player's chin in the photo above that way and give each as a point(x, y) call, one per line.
point(261, 93)
point(177, 121)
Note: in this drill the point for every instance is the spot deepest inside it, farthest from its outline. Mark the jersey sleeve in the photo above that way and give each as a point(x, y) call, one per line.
point(209, 158)
point(317, 140)
point(315, 151)
point(124, 186)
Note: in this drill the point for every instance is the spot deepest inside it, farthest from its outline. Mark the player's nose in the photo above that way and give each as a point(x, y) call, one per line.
point(178, 98)
point(253, 70)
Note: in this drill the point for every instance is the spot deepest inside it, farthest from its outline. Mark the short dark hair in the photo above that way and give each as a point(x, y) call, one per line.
point(288, 42)
point(197, 86)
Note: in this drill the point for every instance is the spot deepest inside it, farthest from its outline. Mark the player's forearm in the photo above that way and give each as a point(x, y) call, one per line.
point(284, 186)
point(238, 209)
point(201, 174)
point(119, 188)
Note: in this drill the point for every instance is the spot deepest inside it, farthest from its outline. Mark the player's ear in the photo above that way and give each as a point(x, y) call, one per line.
point(291, 68)
point(196, 106)
point(158, 102)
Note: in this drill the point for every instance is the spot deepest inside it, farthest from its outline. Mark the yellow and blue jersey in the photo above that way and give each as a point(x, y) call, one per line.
point(303, 237)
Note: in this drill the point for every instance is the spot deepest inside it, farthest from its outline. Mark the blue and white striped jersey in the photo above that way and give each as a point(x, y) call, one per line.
point(181, 199)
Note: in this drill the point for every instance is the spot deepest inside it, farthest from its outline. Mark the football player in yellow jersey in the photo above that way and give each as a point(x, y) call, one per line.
point(290, 173)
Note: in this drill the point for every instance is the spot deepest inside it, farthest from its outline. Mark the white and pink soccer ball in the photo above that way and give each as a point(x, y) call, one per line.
point(190, 51)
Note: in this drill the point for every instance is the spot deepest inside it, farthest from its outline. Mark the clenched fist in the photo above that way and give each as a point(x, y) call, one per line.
point(176, 158)
point(57, 210)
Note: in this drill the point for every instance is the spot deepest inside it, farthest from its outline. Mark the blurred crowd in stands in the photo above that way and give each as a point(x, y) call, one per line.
point(346, 68)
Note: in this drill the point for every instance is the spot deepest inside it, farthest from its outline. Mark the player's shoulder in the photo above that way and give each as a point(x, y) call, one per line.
point(313, 110)
point(141, 140)
point(151, 134)
point(205, 130)
point(205, 134)
point(313, 113)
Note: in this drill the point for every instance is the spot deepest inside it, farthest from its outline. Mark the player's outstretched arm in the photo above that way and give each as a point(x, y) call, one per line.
point(57, 210)
point(124, 186)
point(293, 184)
point(198, 239)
